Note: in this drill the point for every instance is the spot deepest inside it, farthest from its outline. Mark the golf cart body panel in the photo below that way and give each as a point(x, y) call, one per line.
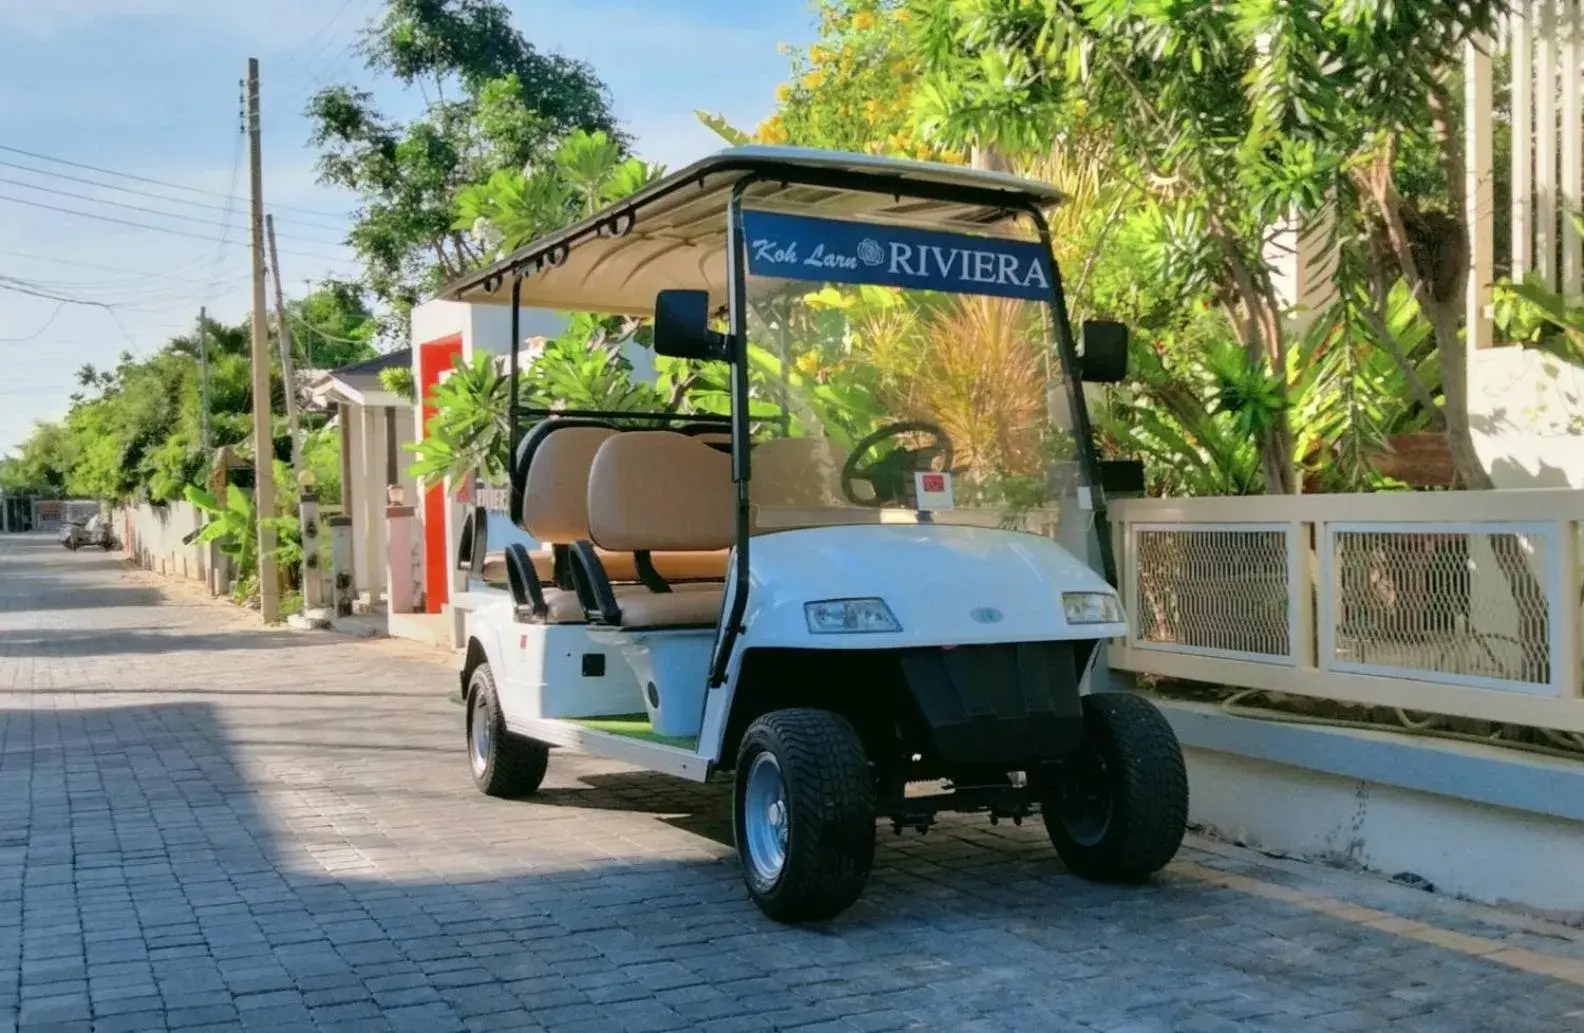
point(946, 585)
point(899, 602)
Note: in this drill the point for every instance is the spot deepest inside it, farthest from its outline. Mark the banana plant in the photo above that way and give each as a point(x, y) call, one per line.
point(232, 525)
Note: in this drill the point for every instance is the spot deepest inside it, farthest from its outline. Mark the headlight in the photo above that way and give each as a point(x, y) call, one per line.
point(849, 616)
point(1091, 608)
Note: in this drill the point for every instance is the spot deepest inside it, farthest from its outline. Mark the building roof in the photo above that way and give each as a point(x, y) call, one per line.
point(359, 383)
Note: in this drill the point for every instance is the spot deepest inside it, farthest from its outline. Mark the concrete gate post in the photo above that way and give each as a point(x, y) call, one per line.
point(313, 586)
point(342, 585)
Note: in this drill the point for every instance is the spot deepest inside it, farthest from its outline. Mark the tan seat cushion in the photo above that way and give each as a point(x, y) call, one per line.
point(562, 607)
point(661, 491)
point(555, 492)
point(673, 566)
point(494, 570)
point(690, 606)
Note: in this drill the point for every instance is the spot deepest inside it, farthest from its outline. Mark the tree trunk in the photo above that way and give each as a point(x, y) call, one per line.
point(1454, 402)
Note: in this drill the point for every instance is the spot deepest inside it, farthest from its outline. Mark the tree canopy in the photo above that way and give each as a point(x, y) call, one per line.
point(492, 101)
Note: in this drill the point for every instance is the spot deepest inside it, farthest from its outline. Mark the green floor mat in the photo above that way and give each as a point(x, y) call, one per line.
point(635, 726)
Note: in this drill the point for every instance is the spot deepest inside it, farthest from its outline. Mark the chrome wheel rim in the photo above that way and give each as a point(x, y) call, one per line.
point(479, 734)
point(766, 819)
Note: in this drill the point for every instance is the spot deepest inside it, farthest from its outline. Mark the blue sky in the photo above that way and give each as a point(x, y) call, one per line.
point(151, 87)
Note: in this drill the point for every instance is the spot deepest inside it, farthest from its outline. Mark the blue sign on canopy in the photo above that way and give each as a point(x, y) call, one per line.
point(800, 247)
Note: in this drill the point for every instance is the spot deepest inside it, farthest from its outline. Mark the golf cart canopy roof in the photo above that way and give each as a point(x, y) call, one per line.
point(672, 233)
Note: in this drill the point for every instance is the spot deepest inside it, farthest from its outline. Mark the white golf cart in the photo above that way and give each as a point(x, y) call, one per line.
point(875, 581)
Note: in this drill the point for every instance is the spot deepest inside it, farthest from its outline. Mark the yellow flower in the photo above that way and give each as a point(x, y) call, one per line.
point(783, 92)
point(772, 131)
point(807, 363)
point(863, 21)
point(872, 109)
point(814, 80)
point(818, 54)
point(904, 15)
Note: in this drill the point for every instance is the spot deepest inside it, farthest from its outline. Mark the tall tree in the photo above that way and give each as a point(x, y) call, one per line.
point(492, 101)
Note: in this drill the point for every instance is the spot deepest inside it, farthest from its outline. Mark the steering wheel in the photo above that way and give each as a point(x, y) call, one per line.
point(891, 476)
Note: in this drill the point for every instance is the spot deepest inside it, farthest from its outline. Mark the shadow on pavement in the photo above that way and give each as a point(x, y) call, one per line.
point(118, 641)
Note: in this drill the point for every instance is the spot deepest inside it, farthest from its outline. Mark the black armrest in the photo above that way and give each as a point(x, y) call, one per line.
point(464, 560)
point(474, 545)
point(647, 573)
point(593, 584)
point(524, 583)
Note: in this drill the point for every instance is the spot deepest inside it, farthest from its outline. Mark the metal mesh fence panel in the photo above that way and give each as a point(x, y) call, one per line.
point(1464, 604)
point(1222, 590)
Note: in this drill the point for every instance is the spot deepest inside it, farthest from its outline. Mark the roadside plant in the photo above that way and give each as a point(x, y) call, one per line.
point(232, 525)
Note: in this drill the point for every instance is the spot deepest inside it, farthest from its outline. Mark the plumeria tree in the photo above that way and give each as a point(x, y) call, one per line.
point(586, 172)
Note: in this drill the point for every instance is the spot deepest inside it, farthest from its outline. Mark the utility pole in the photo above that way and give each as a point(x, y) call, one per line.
point(288, 373)
point(203, 378)
point(263, 436)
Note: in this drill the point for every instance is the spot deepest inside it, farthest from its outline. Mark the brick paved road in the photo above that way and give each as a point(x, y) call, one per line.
point(208, 826)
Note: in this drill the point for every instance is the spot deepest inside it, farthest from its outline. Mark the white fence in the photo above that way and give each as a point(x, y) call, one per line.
point(1459, 603)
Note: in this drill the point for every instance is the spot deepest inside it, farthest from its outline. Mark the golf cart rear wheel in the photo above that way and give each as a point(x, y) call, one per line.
point(804, 813)
point(1119, 811)
point(502, 764)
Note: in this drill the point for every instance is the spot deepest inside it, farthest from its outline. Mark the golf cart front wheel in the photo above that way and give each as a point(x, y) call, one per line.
point(502, 764)
point(804, 814)
point(1119, 811)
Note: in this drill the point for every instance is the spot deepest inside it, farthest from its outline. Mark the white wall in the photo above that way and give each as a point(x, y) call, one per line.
point(152, 537)
point(1527, 412)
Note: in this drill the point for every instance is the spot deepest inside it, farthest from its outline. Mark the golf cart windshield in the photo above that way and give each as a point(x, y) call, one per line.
point(897, 371)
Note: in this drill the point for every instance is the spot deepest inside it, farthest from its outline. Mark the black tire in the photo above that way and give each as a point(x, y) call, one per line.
point(829, 812)
point(1120, 812)
point(507, 765)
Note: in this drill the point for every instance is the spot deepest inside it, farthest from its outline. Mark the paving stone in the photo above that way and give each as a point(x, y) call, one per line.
point(210, 826)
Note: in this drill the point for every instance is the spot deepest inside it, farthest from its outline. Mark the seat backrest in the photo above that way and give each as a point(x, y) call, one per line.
point(654, 490)
point(796, 473)
point(528, 450)
point(554, 507)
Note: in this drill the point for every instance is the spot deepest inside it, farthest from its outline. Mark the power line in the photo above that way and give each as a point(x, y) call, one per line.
point(149, 193)
point(145, 226)
point(109, 268)
point(329, 337)
point(302, 61)
point(156, 182)
point(59, 306)
point(316, 78)
point(225, 234)
point(150, 211)
point(155, 301)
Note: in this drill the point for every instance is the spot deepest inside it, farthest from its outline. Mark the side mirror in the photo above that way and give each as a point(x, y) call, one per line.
point(681, 326)
point(1105, 352)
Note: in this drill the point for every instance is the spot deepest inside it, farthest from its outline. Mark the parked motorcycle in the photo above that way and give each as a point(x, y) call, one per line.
point(96, 531)
point(73, 535)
